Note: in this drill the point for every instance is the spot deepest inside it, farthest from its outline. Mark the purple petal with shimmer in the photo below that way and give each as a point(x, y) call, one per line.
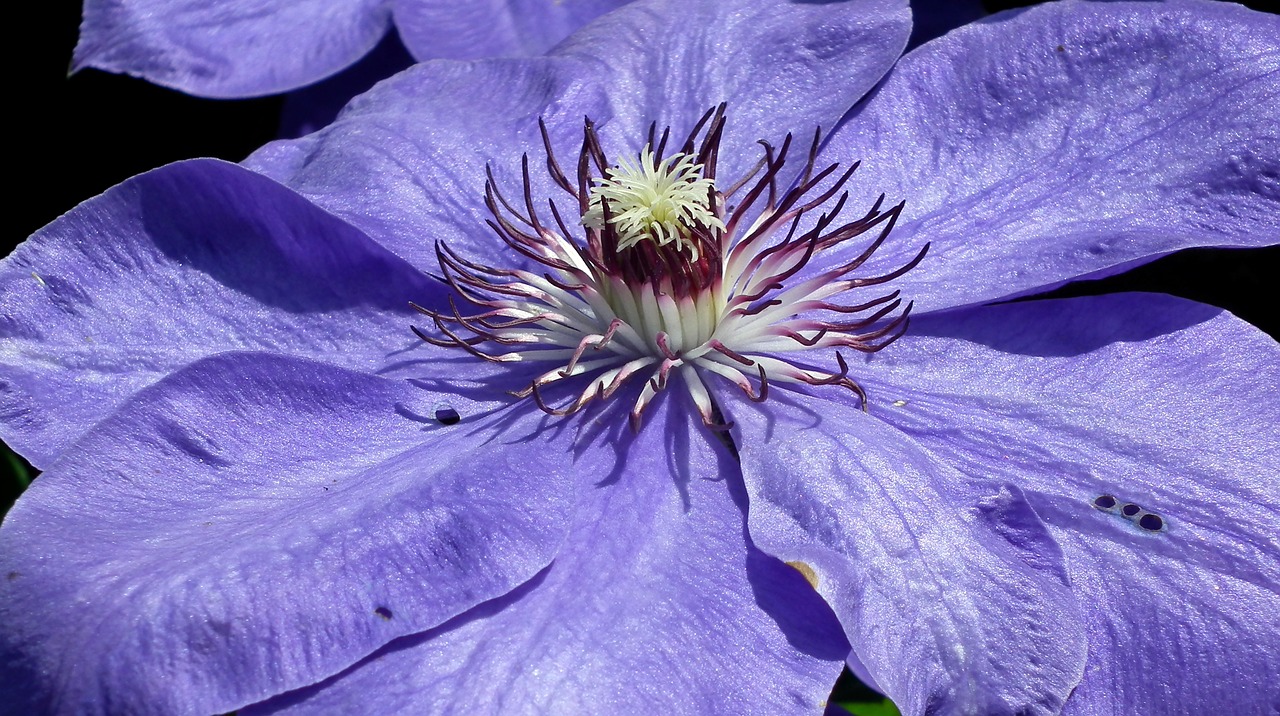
point(229, 48)
point(953, 595)
point(491, 28)
point(782, 67)
point(406, 161)
point(181, 263)
point(1073, 139)
point(254, 524)
point(657, 603)
point(1153, 400)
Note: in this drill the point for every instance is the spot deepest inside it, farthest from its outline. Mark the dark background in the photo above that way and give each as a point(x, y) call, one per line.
point(77, 136)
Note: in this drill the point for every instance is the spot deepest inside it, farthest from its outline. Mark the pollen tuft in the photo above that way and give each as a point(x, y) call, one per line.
point(662, 201)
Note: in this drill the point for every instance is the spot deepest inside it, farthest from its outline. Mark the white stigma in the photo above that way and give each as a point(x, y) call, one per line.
point(660, 201)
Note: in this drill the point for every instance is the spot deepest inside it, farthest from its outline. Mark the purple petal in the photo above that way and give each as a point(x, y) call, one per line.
point(657, 603)
point(406, 161)
point(311, 108)
point(491, 28)
point(1073, 139)
point(254, 524)
point(184, 262)
point(781, 66)
point(1152, 400)
point(229, 48)
point(953, 595)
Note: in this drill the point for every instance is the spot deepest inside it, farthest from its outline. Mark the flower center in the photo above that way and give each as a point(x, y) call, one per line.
point(664, 202)
point(671, 280)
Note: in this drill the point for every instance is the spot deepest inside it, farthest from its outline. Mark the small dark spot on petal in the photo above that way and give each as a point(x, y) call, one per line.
point(448, 416)
point(1104, 502)
point(13, 575)
point(1060, 48)
point(1130, 510)
point(1151, 522)
point(384, 613)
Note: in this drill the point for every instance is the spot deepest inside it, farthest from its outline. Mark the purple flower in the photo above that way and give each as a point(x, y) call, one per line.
point(246, 48)
point(263, 493)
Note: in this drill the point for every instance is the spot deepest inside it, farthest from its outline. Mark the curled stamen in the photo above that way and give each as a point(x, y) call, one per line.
point(722, 348)
point(668, 280)
point(661, 340)
point(596, 341)
point(764, 387)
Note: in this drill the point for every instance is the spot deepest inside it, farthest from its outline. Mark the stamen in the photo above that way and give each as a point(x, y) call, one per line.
point(662, 202)
point(667, 282)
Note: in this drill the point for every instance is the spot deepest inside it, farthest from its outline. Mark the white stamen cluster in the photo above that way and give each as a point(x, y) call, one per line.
point(653, 201)
point(633, 301)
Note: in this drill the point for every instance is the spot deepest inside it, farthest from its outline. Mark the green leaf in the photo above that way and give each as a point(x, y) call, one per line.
point(21, 473)
point(881, 707)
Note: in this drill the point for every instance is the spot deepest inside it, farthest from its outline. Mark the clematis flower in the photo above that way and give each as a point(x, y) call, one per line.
point(247, 48)
point(667, 443)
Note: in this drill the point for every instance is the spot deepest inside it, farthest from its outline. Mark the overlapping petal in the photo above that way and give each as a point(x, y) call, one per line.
point(1155, 401)
point(229, 48)
point(181, 263)
point(246, 48)
point(491, 28)
point(406, 161)
point(254, 524)
point(1124, 131)
point(657, 601)
point(953, 594)
point(315, 106)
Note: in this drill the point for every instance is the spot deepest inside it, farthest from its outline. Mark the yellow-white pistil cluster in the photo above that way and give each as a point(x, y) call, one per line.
point(656, 202)
point(670, 280)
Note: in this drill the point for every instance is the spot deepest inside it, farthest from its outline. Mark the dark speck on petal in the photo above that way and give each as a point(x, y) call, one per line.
point(448, 416)
point(1104, 502)
point(1151, 522)
point(384, 613)
point(1130, 510)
